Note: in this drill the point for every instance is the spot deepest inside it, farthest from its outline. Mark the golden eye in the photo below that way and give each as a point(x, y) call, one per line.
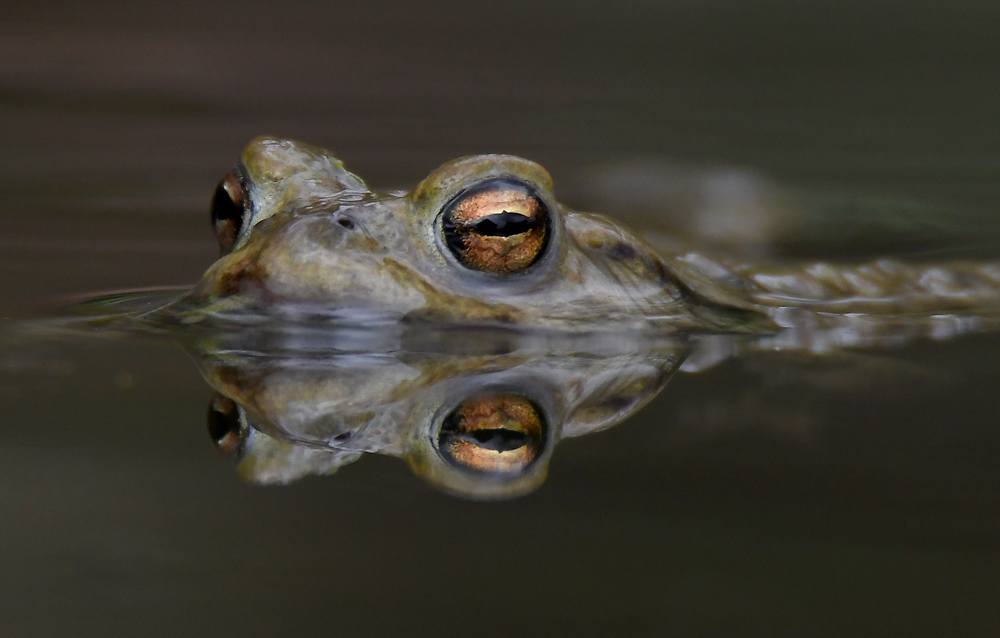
point(499, 226)
point(224, 425)
point(229, 205)
point(494, 433)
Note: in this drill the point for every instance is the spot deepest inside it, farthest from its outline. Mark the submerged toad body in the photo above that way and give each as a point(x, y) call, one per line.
point(483, 240)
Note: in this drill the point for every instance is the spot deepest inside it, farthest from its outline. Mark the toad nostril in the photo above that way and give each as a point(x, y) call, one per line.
point(343, 436)
point(346, 223)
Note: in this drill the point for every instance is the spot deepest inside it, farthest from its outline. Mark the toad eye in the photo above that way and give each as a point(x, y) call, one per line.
point(224, 425)
point(493, 433)
point(500, 226)
point(229, 206)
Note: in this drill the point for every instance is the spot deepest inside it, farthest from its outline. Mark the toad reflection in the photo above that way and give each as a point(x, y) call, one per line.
point(482, 426)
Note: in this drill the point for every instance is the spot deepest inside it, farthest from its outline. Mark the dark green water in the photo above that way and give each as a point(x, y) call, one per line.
point(766, 496)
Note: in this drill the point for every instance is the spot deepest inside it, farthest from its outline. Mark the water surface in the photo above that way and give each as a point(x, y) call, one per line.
point(775, 494)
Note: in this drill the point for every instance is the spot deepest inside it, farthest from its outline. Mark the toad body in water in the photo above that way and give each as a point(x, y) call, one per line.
point(483, 240)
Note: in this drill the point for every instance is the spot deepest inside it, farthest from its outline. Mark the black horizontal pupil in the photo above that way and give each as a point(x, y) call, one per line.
point(228, 211)
point(224, 208)
point(497, 439)
point(504, 224)
point(222, 422)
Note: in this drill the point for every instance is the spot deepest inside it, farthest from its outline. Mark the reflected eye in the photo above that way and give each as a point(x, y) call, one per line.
point(495, 433)
point(499, 226)
point(224, 424)
point(229, 205)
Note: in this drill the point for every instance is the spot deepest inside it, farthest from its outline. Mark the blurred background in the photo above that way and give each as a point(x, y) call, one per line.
point(119, 120)
point(862, 507)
